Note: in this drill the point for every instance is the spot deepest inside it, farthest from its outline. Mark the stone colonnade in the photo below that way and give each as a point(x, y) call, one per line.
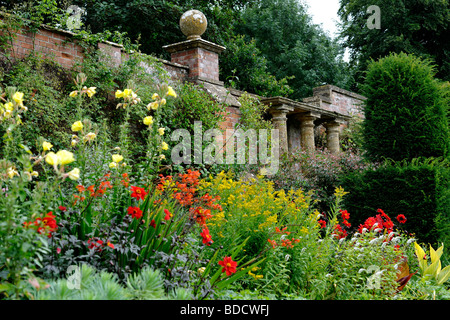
point(306, 118)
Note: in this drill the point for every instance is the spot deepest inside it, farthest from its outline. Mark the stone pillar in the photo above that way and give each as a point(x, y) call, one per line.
point(307, 130)
point(279, 120)
point(333, 128)
point(201, 56)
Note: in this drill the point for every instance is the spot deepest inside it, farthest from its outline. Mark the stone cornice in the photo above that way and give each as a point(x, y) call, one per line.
point(195, 43)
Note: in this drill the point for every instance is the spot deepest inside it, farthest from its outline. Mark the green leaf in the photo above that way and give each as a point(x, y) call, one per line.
point(443, 275)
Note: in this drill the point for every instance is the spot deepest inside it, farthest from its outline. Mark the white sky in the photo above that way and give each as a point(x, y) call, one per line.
point(324, 12)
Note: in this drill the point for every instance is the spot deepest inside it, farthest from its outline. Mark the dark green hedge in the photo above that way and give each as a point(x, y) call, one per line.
point(420, 191)
point(405, 110)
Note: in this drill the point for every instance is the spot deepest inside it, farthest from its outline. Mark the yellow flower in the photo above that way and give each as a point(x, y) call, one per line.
point(91, 91)
point(74, 174)
point(113, 165)
point(162, 157)
point(73, 143)
point(34, 174)
point(201, 270)
point(119, 94)
point(171, 92)
point(163, 101)
point(90, 136)
point(161, 131)
point(77, 126)
point(9, 106)
point(164, 146)
point(152, 105)
point(155, 96)
point(65, 157)
point(18, 98)
point(148, 120)
point(117, 158)
point(127, 93)
point(12, 172)
point(46, 146)
point(73, 94)
point(52, 159)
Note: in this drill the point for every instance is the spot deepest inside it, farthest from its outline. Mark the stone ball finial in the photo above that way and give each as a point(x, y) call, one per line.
point(193, 24)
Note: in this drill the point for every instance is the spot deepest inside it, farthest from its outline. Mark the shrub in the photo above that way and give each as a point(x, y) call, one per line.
point(317, 171)
point(405, 110)
point(418, 190)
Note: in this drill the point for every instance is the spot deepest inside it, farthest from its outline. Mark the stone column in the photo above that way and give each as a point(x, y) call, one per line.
point(279, 120)
point(307, 130)
point(333, 128)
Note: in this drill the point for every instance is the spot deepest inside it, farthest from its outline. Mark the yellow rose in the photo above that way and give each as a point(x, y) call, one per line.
point(171, 92)
point(119, 94)
point(91, 91)
point(164, 146)
point(77, 126)
point(74, 174)
point(117, 158)
point(52, 159)
point(73, 94)
point(46, 146)
point(148, 120)
point(161, 131)
point(18, 98)
point(65, 157)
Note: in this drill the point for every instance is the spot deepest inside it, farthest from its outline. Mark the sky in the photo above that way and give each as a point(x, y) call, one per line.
point(324, 12)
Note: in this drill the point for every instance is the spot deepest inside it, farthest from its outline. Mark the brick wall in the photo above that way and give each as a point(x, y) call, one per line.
point(336, 99)
point(52, 44)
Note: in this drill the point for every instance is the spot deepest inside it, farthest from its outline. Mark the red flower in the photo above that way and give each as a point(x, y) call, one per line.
point(345, 215)
point(229, 266)
point(62, 208)
point(109, 244)
point(138, 193)
point(95, 243)
point(135, 212)
point(322, 223)
point(339, 232)
point(401, 218)
point(153, 224)
point(206, 237)
point(168, 214)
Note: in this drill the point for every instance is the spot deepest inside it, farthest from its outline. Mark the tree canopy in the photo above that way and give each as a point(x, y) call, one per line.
point(420, 27)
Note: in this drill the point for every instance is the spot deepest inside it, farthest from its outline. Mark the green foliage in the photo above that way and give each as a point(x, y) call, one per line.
point(405, 110)
point(419, 190)
point(417, 27)
point(248, 68)
point(294, 46)
point(94, 285)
